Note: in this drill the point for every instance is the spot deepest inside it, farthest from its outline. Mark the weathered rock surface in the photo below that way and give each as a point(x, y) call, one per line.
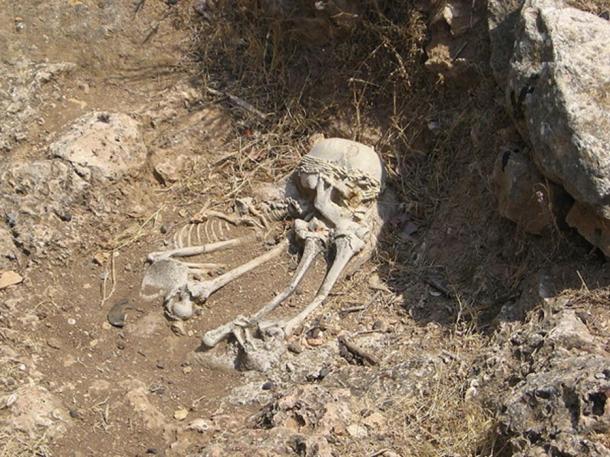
point(32, 409)
point(304, 422)
point(556, 409)
point(107, 145)
point(595, 229)
point(523, 196)
point(8, 250)
point(36, 199)
point(502, 19)
point(21, 84)
point(557, 378)
point(558, 93)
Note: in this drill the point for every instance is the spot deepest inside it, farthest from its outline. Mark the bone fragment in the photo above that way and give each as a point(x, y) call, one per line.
point(179, 302)
point(312, 248)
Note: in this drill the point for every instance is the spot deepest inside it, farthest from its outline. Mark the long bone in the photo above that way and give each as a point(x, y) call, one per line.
point(347, 247)
point(200, 291)
point(313, 247)
point(348, 240)
point(200, 249)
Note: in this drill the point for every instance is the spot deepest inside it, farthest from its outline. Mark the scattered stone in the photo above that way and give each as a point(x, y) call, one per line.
point(9, 278)
point(295, 347)
point(269, 385)
point(101, 258)
point(315, 342)
point(357, 431)
point(374, 421)
point(167, 168)
point(570, 332)
point(522, 193)
point(54, 343)
point(180, 414)
point(380, 326)
point(118, 313)
point(178, 328)
point(199, 425)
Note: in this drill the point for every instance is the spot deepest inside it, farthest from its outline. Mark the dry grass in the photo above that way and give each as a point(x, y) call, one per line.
point(592, 6)
point(368, 84)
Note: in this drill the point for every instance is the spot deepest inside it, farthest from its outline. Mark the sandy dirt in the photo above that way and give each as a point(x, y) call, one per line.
point(73, 385)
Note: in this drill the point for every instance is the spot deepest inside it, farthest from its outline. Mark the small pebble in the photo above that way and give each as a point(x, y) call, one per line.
point(187, 370)
point(178, 328)
point(315, 342)
point(199, 425)
point(71, 321)
point(268, 385)
point(54, 343)
point(180, 414)
point(120, 345)
point(151, 450)
point(380, 326)
point(295, 347)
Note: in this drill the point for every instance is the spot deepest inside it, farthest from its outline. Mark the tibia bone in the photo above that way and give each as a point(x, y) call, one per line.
point(346, 248)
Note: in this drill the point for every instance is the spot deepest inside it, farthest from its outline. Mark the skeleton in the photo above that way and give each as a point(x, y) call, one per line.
point(335, 191)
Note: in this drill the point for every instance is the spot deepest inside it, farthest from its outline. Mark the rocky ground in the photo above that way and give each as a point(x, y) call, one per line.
point(466, 334)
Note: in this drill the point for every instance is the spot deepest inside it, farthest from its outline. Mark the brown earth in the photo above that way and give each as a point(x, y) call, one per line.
point(447, 274)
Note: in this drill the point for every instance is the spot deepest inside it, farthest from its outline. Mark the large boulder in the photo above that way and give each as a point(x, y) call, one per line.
point(557, 92)
point(502, 19)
